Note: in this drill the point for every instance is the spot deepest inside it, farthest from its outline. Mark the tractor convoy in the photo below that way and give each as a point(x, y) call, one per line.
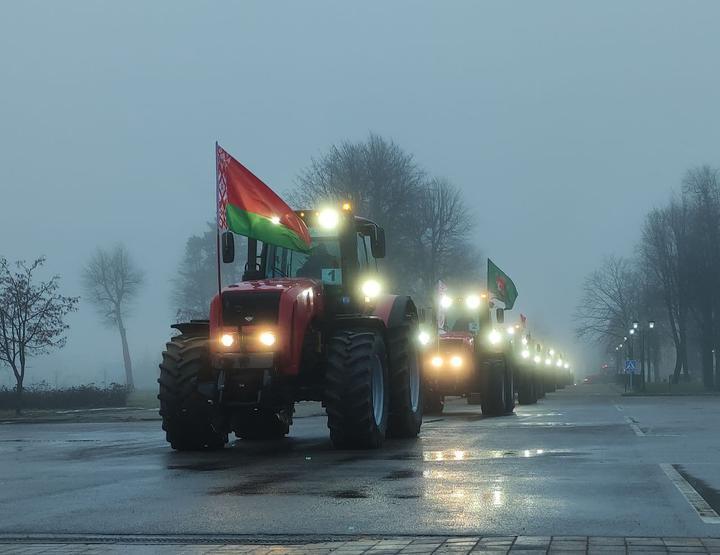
point(310, 321)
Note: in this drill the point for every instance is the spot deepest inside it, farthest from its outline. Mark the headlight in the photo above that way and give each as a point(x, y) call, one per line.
point(267, 338)
point(567, 366)
point(548, 362)
point(537, 359)
point(227, 339)
point(446, 301)
point(371, 288)
point(329, 218)
point(525, 353)
point(456, 361)
point(495, 337)
point(559, 363)
point(472, 301)
point(511, 330)
point(436, 361)
point(424, 338)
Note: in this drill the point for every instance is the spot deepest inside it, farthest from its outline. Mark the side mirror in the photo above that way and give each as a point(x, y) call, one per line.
point(228, 247)
point(377, 243)
point(500, 316)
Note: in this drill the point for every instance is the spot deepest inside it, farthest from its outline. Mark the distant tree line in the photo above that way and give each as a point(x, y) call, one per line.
point(427, 222)
point(673, 278)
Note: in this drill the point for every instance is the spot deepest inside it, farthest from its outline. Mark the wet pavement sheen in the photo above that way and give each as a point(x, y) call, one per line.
point(570, 465)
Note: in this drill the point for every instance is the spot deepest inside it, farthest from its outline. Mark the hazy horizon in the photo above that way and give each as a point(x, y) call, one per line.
point(563, 124)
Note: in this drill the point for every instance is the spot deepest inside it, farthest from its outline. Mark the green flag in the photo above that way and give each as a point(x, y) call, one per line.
point(500, 285)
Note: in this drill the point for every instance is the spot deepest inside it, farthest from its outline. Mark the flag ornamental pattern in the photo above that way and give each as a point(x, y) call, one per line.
point(500, 285)
point(222, 159)
point(246, 206)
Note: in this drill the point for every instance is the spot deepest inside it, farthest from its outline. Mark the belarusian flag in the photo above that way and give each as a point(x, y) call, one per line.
point(501, 286)
point(246, 206)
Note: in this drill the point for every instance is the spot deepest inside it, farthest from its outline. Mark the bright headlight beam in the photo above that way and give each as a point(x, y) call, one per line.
point(494, 337)
point(227, 339)
point(456, 361)
point(371, 288)
point(267, 338)
point(424, 338)
point(328, 218)
point(446, 301)
point(436, 361)
point(472, 302)
point(525, 353)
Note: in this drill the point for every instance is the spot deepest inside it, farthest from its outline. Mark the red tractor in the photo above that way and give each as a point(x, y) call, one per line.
point(299, 326)
point(471, 357)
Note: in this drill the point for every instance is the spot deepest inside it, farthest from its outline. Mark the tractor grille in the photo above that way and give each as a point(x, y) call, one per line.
point(250, 308)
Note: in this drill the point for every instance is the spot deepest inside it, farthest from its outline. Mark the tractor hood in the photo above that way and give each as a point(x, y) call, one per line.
point(277, 284)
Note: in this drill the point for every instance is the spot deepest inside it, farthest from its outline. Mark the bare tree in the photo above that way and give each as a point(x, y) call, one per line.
point(382, 181)
point(195, 282)
point(426, 220)
point(609, 302)
point(442, 240)
point(664, 249)
point(112, 281)
point(702, 193)
point(32, 317)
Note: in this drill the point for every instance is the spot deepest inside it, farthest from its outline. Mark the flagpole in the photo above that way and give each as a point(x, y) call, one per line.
point(217, 220)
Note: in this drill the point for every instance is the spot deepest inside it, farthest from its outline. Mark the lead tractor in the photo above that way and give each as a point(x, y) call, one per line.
point(300, 326)
point(471, 357)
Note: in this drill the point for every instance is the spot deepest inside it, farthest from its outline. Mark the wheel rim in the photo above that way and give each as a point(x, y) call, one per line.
point(414, 382)
point(378, 389)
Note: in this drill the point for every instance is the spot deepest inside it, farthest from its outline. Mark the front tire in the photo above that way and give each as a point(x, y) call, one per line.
point(187, 417)
point(406, 395)
point(433, 402)
point(357, 396)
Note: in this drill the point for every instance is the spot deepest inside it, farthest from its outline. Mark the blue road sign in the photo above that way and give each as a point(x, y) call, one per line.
point(631, 366)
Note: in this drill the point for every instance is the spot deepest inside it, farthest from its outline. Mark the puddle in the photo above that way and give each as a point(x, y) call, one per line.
point(474, 455)
point(403, 474)
point(350, 494)
point(200, 467)
point(263, 485)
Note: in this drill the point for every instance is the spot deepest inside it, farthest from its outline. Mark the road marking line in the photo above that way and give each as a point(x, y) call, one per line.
point(706, 513)
point(634, 426)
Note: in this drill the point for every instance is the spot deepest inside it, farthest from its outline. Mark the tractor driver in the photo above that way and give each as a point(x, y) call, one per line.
point(318, 259)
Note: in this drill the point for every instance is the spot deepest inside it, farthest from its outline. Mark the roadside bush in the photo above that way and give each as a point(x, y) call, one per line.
point(42, 396)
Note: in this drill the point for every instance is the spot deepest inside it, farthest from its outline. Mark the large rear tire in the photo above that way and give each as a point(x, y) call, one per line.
point(406, 392)
point(527, 394)
point(357, 397)
point(187, 417)
point(493, 399)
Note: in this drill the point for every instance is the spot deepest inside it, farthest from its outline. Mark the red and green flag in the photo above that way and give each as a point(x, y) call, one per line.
point(246, 206)
point(500, 285)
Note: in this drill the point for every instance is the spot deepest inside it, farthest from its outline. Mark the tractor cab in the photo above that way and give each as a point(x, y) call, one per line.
point(342, 257)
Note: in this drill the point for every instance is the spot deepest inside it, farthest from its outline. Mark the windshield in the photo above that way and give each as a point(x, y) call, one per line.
point(323, 262)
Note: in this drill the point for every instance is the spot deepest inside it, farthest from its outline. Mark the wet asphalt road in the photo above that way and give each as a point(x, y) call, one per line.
point(585, 461)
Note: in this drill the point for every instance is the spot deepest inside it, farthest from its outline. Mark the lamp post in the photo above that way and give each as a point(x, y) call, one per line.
point(650, 328)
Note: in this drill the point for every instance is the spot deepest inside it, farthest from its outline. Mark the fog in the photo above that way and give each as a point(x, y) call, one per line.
point(563, 122)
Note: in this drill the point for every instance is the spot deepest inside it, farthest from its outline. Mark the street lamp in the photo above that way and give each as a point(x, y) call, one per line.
point(651, 324)
point(635, 325)
point(632, 331)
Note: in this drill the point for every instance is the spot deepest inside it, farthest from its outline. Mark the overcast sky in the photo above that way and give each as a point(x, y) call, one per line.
point(563, 123)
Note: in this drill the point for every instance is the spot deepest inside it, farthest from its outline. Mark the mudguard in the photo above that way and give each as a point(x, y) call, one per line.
point(394, 310)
